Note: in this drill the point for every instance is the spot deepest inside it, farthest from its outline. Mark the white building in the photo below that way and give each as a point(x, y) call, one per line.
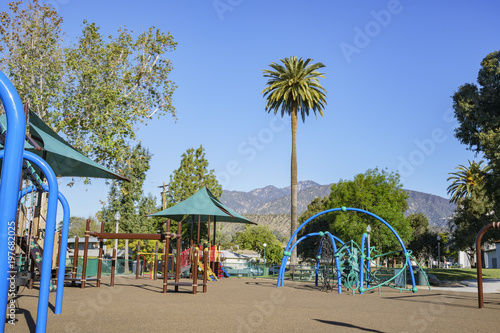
point(491, 255)
point(93, 247)
point(491, 258)
point(239, 259)
point(463, 260)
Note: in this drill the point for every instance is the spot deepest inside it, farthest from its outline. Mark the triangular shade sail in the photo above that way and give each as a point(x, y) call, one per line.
point(65, 160)
point(204, 204)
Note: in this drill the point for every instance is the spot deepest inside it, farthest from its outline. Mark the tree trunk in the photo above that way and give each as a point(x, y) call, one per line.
point(126, 271)
point(293, 225)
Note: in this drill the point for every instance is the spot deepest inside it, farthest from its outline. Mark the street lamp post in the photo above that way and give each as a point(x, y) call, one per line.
point(264, 245)
point(439, 250)
point(117, 218)
point(368, 229)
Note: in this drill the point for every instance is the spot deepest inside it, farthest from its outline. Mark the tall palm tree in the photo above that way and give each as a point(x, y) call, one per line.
point(466, 179)
point(294, 87)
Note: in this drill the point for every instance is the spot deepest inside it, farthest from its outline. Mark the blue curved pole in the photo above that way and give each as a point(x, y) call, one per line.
point(10, 181)
point(64, 243)
point(281, 275)
point(48, 246)
point(62, 255)
point(284, 260)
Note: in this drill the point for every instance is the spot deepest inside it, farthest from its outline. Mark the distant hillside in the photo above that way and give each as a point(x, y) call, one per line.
point(274, 201)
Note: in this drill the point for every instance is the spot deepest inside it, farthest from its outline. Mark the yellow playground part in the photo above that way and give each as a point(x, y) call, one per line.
point(210, 274)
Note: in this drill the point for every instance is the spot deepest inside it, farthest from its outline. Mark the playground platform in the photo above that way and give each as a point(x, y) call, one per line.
point(256, 305)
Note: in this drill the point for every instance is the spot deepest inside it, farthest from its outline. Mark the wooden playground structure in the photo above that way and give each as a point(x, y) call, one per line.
point(194, 259)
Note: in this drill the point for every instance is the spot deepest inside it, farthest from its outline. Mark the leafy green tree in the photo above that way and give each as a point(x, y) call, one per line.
point(253, 237)
point(464, 180)
point(96, 83)
point(192, 174)
point(128, 198)
point(292, 88)
point(77, 226)
point(31, 53)
point(473, 213)
point(115, 84)
point(419, 243)
point(376, 191)
point(477, 109)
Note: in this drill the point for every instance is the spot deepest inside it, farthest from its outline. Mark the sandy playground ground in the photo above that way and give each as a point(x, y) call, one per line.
point(256, 305)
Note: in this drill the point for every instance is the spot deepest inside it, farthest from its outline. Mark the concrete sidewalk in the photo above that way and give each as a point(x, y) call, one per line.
point(489, 286)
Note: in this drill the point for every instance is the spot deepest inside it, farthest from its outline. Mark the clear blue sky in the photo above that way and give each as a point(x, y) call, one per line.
point(392, 67)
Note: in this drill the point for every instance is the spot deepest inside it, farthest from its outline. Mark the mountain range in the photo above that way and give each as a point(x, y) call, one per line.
point(271, 200)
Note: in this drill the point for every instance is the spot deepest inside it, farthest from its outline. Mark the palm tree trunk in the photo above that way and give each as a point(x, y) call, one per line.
point(293, 224)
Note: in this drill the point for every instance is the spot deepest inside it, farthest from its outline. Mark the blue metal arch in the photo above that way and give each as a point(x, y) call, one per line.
point(289, 247)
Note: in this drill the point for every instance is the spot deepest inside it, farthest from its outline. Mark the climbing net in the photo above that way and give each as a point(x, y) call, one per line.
point(326, 262)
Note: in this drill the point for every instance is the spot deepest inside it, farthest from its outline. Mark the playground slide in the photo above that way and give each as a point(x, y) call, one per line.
point(226, 274)
point(210, 274)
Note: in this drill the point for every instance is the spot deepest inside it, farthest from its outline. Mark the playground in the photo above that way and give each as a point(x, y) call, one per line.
point(256, 305)
point(126, 303)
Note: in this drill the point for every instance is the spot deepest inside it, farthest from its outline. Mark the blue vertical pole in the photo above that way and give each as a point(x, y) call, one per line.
point(362, 266)
point(337, 263)
point(62, 255)
point(10, 181)
point(368, 266)
point(64, 243)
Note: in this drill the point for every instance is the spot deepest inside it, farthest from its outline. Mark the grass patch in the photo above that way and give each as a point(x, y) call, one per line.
point(454, 274)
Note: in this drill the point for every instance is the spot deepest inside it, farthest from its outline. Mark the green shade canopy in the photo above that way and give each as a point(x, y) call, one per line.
point(204, 204)
point(65, 160)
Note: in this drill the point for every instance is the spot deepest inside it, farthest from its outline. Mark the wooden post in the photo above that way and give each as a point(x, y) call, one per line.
point(199, 223)
point(75, 262)
point(99, 264)
point(137, 264)
point(178, 255)
point(113, 268)
point(208, 230)
point(205, 270)
point(215, 227)
point(85, 254)
point(58, 257)
point(166, 251)
point(191, 235)
point(195, 270)
point(156, 261)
